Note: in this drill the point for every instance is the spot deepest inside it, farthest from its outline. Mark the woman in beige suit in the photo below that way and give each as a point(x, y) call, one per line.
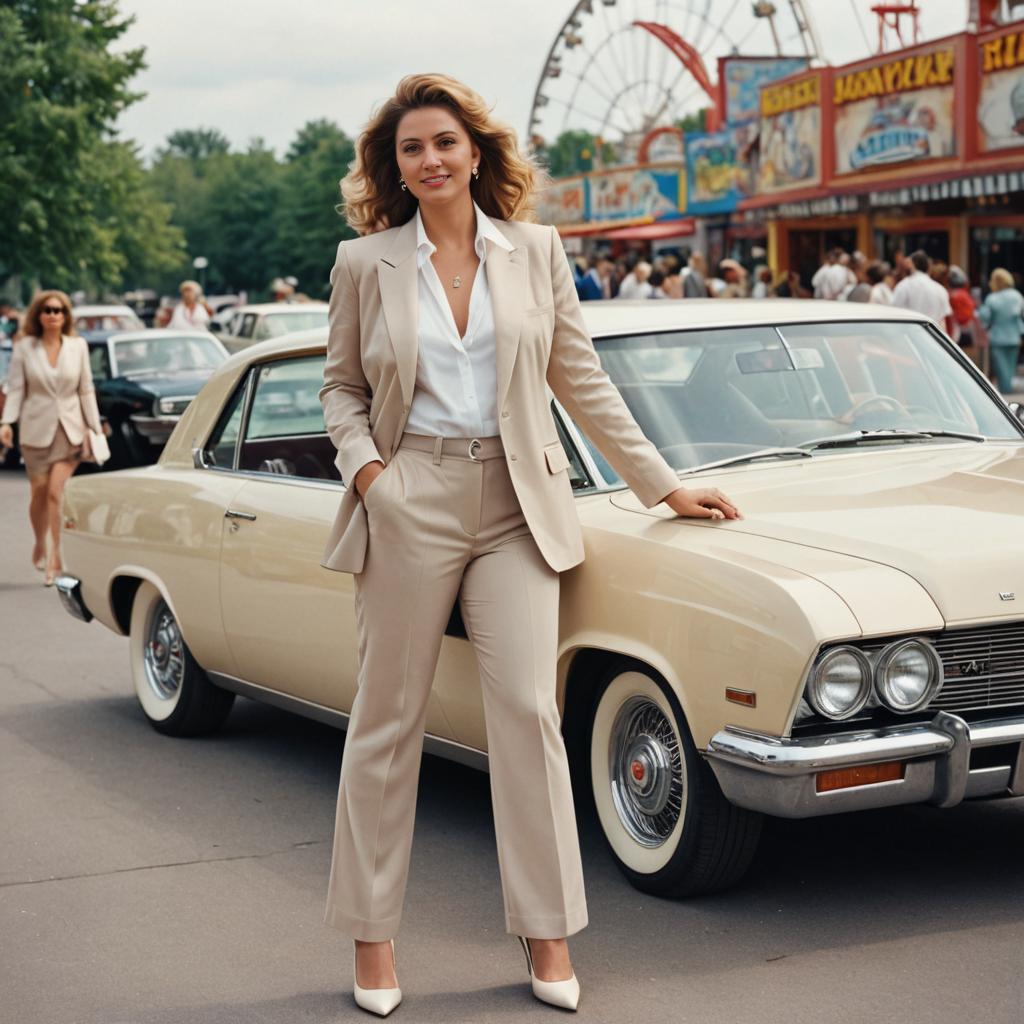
point(444, 332)
point(50, 393)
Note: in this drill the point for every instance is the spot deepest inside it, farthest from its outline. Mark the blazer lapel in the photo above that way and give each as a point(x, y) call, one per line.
point(506, 280)
point(44, 371)
point(397, 275)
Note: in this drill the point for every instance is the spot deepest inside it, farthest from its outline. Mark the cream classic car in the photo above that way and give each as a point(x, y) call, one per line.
point(854, 642)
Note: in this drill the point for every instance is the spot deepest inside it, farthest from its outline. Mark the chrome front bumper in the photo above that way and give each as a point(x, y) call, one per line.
point(70, 590)
point(778, 776)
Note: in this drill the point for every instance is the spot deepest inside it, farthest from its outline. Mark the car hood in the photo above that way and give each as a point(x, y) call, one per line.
point(951, 517)
point(187, 382)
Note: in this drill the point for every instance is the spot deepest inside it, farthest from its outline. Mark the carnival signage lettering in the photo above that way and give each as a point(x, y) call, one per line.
point(924, 71)
point(779, 99)
point(1001, 94)
point(1003, 53)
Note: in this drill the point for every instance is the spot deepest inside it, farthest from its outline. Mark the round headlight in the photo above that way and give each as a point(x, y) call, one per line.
point(908, 675)
point(840, 683)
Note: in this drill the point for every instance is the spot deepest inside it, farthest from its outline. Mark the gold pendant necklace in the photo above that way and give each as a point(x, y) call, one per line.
point(457, 281)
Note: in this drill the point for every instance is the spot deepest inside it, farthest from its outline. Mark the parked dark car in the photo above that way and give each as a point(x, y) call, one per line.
point(144, 381)
point(10, 458)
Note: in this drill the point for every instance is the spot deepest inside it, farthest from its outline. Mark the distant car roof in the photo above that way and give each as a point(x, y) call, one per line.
point(104, 311)
point(280, 307)
point(156, 333)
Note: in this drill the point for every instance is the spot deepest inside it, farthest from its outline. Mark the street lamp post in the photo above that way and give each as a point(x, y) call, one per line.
point(201, 263)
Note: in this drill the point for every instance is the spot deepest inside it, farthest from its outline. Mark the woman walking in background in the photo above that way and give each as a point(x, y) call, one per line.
point(1002, 313)
point(50, 394)
point(444, 330)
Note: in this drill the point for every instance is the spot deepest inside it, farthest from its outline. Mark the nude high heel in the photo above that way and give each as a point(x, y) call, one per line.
point(377, 1000)
point(565, 994)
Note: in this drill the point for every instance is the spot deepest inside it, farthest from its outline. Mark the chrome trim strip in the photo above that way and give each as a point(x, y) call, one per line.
point(451, 750)
point(69, 589)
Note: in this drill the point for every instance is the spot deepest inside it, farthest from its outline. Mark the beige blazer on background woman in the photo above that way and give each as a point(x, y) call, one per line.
point(40, 396)
point(540, 338)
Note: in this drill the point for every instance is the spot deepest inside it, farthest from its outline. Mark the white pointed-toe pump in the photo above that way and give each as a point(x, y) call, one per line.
point(377, 1000)
point(565, 994)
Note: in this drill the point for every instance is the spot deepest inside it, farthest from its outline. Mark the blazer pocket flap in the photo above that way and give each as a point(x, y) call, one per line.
point(557, 459)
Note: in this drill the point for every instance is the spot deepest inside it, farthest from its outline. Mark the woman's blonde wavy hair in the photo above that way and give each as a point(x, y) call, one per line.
point(372, 196)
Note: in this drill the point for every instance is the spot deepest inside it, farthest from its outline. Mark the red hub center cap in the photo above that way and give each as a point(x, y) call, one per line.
point(638, 771)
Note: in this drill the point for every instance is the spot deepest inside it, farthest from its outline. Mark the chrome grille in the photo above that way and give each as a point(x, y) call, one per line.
point(983, 667)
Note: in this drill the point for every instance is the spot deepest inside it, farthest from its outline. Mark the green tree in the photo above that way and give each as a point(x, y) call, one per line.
point(309, 225)
point(62, 87)
point(571, 153)
point(197, 144)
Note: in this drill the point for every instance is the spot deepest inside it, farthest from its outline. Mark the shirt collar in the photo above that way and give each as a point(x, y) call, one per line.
point(485, 228)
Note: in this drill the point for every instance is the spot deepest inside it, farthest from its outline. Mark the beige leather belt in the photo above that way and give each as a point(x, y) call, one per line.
point(473, 449)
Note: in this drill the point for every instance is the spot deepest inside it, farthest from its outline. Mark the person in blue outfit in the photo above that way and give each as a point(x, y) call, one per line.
point(1002, 313)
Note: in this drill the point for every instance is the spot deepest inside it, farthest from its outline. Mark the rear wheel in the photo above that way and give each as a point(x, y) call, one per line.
point(175, 693)
point(669, 827)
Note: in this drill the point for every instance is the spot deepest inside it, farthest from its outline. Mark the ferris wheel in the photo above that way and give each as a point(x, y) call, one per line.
point(618, 69)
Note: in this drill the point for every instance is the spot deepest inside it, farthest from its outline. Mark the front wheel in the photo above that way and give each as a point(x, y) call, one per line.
point(669, 827)
point(175, 693)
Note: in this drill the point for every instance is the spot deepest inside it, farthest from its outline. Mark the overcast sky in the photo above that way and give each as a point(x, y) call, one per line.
point(261, 68)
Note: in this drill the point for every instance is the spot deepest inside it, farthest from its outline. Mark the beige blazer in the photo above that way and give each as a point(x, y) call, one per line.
point(39, 397)
point(540, 337)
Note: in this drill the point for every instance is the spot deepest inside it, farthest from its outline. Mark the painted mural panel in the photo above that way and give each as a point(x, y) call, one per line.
point(633, 194)
point(564, 202)
point(1001, 97)
point(743, 77)
point(790, 144)
point(713, 172)
point(895, 111)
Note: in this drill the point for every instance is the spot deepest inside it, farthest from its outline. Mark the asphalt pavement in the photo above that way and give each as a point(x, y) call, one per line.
point(149, 880)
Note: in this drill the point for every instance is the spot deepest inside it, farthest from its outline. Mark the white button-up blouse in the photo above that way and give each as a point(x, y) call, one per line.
point(456, 378)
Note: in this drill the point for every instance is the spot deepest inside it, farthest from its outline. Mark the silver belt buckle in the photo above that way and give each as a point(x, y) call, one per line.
point(474, 447)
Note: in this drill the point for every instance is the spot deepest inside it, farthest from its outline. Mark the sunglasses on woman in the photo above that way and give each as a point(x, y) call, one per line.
point(54, 310)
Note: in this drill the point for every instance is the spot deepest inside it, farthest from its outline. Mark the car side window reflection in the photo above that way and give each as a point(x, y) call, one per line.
point(220, 449)
point(285, 433)
point(99, 362)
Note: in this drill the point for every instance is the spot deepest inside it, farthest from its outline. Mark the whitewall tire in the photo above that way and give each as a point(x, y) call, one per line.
point(173, 691)
point(667, 824)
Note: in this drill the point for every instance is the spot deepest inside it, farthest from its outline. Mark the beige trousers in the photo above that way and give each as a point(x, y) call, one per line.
point(441, 526)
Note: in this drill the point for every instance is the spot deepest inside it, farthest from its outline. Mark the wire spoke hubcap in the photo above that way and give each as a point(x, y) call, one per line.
point(646, 771)
point(164, 655)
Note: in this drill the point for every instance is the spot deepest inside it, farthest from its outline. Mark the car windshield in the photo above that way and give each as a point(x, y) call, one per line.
point(109, 322)
point(708, 396)
point(166, 355)
point(276, 324)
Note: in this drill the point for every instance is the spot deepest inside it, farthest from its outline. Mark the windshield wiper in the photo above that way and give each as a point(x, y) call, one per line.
point(856, 437)
point(763, 453)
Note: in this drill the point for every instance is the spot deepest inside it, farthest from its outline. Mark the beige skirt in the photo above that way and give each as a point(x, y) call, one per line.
point(60, 449)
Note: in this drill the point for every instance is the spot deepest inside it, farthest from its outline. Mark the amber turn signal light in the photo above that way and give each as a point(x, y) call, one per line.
point(745, 697)
point(862, 775)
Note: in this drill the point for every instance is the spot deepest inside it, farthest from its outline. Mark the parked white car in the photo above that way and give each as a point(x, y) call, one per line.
point(260, 321)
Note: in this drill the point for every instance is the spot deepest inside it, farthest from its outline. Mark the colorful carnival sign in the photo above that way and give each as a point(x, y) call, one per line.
point(713, 172)
point(790, 141)
point(1001, 96)
point(741, 80)
point(564, 202)
point(633, 194)
point(895, 111)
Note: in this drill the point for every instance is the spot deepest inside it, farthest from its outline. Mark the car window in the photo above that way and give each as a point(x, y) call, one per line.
point(706, 395)
point(167, 354)
point(286, 400)
point(285, 433)
point(223, 441)
point(248, 323)
point(99, 362)
point(276, 324)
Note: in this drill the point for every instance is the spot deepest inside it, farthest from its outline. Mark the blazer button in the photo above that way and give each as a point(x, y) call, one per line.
point(513, 457)
point(505, 414)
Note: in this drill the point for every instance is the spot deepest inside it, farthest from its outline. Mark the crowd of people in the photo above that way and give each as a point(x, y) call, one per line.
point(988, 329)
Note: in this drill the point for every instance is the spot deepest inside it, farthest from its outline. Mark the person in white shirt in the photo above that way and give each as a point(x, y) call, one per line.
point(832, 277)
point(447, 328)
point(877, 274)
point(636, 284)
point(917, 291)
point(190, 314)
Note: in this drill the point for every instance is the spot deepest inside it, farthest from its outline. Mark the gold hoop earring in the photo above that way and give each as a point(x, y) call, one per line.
point(403, 184)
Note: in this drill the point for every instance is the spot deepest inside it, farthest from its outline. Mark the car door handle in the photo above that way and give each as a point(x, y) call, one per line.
point(232, 514)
